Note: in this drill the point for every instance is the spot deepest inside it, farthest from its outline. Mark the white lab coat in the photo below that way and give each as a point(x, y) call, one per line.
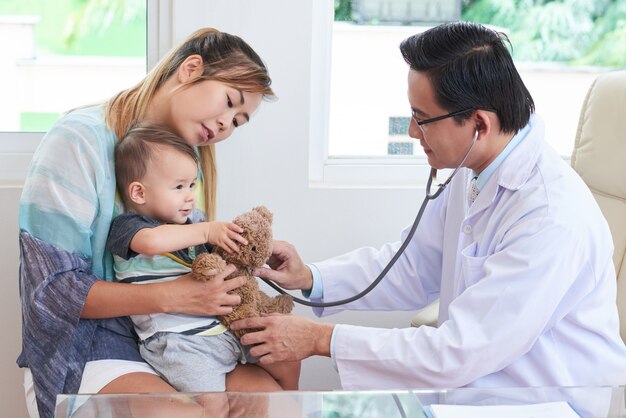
point(525, 278)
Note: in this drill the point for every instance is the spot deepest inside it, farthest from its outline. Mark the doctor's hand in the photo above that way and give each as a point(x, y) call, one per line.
point(285, 337)
point(287, 268)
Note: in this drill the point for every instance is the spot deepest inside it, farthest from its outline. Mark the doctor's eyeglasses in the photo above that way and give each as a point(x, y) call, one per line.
point(421, 122)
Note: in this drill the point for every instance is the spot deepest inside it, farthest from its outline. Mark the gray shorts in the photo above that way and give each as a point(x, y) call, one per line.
point(195, 363)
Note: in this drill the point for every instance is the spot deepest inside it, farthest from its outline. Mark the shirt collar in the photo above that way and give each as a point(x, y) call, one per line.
point(484, 176)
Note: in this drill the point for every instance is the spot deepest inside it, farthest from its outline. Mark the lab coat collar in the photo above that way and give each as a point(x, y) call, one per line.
point(514, 171)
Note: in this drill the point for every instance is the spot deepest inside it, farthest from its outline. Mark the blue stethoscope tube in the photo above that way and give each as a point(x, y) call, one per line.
point(429, 196)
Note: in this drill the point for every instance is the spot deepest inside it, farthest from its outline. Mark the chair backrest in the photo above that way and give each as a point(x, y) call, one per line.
point(599, 157)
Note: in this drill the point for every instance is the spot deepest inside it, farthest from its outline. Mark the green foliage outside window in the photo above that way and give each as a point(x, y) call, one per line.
point(576, 32)
point(579, 32)
point(85, 27)
point(343, 10)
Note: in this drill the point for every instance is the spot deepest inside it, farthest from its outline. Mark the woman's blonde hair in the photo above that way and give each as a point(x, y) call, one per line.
point(227, 59)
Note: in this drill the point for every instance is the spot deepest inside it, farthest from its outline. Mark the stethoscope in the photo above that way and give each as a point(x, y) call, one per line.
point(429, 196)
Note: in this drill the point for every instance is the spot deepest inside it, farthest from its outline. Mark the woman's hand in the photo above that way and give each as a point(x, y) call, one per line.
point(183, 295)
point(206, 298)
point(285, 337)
point(287, 268)
point(225, 235)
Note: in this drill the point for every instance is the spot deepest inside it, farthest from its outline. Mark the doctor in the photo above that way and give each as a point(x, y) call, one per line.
point(523, 270)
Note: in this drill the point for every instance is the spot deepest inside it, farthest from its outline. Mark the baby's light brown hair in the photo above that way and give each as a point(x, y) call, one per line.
point(137, 148)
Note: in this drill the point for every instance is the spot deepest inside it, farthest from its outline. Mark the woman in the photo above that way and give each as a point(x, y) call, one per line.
point(76, 337)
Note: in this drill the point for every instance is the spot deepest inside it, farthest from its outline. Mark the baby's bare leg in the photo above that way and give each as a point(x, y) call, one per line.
point(286, 373)
point(149, 406)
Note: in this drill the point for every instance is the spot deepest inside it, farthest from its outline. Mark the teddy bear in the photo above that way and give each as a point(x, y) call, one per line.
point(257, 230)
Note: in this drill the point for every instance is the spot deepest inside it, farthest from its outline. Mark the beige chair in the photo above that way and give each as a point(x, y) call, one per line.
point(427, 316)
point(599, 157)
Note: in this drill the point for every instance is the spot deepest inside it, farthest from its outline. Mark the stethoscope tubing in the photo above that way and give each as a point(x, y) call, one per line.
point(375, 282)
point(429, 196)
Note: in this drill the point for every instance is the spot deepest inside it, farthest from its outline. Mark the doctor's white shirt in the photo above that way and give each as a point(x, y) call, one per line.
point(525, 279)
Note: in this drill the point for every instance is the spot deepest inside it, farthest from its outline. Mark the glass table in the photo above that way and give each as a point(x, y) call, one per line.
point(592, 402)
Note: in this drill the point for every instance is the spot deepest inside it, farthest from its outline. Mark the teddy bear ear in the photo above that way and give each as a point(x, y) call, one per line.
point(264, 212)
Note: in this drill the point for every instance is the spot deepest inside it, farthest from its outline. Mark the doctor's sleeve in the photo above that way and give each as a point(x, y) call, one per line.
point(521, 280)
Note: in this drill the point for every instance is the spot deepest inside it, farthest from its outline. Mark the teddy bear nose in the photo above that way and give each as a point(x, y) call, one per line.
point(254, 248)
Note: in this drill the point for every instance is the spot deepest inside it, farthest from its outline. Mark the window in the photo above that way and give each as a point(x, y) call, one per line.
point(65, 54)
point(559, 48)
point(62, 55)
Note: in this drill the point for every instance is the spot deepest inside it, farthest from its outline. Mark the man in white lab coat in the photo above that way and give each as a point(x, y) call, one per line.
point(524, 271)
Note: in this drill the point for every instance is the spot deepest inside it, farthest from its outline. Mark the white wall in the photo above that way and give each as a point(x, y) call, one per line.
point(266, 162)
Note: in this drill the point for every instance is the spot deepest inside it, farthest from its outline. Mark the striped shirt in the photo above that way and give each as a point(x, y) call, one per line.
point(131, 267)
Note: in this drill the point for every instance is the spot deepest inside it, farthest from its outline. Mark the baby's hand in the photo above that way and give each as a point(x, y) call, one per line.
point(225, 235)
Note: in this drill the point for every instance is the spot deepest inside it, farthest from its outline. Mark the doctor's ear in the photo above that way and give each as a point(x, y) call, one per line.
point(482, 121)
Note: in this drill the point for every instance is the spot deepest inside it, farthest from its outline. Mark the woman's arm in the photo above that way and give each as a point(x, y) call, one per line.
point(183, 295)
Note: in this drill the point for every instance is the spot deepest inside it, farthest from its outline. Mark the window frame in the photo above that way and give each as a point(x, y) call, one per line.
point(17, 148)
point(346, 172)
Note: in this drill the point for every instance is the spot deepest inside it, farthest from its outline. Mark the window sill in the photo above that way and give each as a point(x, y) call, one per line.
point(372, 173)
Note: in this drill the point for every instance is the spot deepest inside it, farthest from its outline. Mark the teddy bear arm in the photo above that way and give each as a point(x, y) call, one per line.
point(282, 304)
point(207, 266)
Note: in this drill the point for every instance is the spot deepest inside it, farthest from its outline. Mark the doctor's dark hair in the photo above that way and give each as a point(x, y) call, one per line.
point(470, 67)
point(227, 58)
point(138, 147)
